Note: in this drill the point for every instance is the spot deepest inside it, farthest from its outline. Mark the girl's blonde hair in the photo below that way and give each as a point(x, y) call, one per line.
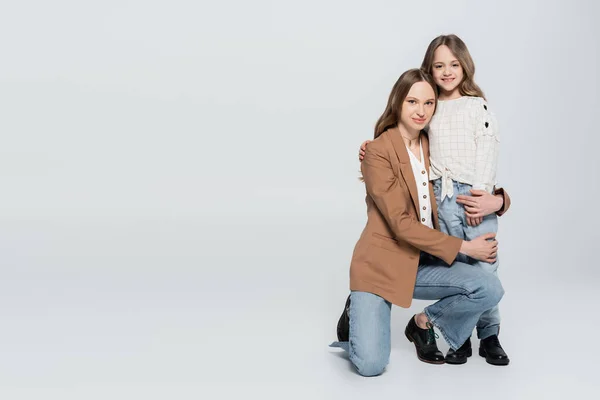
point(467, 87)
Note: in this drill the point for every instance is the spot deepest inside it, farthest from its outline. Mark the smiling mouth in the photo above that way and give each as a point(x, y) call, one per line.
point(419, 121)
point(447, 79)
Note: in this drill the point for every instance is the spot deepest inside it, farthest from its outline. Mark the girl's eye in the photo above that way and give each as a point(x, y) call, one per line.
point(429, 103)
point(412, 101)
point(437, 66)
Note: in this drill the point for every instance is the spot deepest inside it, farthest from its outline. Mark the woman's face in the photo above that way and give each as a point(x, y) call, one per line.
point(418, 106)
point(446, 70)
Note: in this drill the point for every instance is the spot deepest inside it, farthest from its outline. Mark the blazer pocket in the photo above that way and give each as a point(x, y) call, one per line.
point(392, 244)
point(385, 242)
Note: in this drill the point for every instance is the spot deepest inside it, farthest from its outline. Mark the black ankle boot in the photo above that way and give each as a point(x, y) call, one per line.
point(493, 352)
point(343, 326)
point(425, 344)
point(460, 355)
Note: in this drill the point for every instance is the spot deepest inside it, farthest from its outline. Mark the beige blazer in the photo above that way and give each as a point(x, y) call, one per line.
point(386, 256)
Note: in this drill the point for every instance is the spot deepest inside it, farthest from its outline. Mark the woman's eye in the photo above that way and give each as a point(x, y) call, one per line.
point(412, 101)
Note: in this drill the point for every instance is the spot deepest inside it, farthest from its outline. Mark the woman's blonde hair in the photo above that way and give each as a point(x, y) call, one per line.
point(467, 87)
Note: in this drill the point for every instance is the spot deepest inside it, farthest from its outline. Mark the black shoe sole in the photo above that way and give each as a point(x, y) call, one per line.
point(417, 350)
point(491, 361)
point(463, 361)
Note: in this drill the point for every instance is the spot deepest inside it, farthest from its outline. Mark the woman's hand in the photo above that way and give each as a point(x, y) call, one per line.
point(363, 147)
point(482, 248)
point(480, 204)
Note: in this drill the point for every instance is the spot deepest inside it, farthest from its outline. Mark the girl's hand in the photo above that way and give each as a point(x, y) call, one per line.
point(480, 204)
point(474, 221)
point(363, 147)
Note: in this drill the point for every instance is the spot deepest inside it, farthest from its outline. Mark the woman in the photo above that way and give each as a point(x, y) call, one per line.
point(399, 254)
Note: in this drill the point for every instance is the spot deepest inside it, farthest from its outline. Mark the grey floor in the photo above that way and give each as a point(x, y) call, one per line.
point(227, 308)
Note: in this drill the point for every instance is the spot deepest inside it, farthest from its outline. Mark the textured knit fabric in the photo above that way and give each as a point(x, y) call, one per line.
point(464, 144)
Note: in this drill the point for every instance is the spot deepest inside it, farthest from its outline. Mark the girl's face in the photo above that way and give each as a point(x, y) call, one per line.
point(418, 106)
point(446, 70)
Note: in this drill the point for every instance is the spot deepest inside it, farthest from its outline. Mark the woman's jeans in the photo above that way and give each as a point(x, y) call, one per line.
point(454, 222)
point(464, 293)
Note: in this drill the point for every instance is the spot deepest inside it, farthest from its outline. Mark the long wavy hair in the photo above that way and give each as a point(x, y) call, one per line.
point(393, 109)
point(467, 87)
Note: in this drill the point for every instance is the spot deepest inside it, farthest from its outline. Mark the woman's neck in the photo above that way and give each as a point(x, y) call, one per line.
point(410, 136)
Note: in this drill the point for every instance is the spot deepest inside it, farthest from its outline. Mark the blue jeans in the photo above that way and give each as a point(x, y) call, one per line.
point(454, 222)
point(465, 293)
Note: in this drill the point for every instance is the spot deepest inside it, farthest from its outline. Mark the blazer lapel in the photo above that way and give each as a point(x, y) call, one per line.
point(405, 167)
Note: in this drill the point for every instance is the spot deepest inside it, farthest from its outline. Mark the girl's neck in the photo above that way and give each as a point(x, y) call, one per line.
point(453, 95)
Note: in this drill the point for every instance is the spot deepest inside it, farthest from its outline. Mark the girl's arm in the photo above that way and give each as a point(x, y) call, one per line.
point(487, 142)
point(482, 203)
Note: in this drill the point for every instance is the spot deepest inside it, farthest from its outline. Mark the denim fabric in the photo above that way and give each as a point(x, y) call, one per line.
point(453, 222)
point(465, 293)
point(370, 343)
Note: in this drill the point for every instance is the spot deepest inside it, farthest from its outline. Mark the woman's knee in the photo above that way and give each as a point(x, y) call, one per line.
point(370, 365)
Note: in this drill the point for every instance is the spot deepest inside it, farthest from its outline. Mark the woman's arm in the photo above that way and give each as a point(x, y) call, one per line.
point(389, 196)
point(501, 193)
point(480, 204)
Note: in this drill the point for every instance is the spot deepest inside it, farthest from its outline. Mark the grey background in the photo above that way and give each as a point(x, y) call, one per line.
point(180, 197)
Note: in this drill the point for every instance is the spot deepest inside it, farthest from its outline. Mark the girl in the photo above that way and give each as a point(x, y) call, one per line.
point(392, 261)
point(463, 137)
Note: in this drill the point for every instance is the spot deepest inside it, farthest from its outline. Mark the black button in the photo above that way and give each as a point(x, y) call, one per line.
point(486, 124)
point(422, 172)
point(424, 183)
point(423, 220)
point(424, 196)
point(484, 106)
point(424, 208)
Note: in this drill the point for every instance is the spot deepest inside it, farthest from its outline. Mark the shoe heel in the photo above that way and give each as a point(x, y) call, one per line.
point(482, 352)
point(408, 336)
point(469, 352)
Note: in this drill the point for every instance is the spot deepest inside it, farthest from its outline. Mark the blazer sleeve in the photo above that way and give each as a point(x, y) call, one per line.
point(390, 197)
point(506, 204)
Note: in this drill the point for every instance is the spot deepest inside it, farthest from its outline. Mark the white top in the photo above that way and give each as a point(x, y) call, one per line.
point(463, 144)
point(422, 179)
